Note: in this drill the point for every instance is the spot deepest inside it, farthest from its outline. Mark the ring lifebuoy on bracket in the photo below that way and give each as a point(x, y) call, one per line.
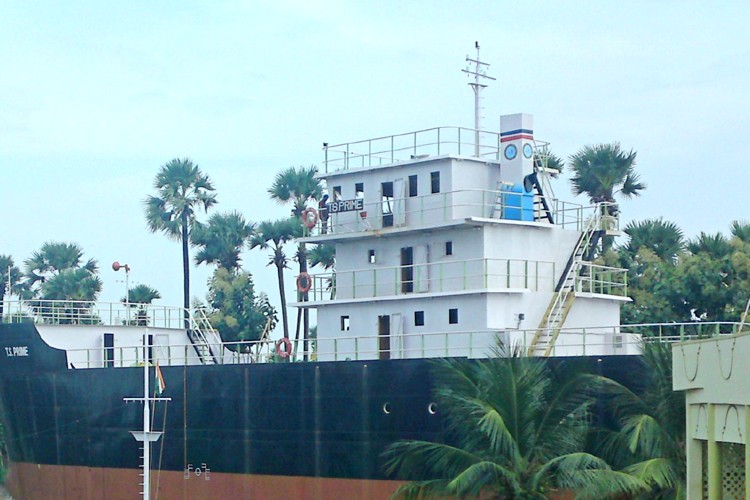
point(287, 347)
point(310, 217)
point(304, 282)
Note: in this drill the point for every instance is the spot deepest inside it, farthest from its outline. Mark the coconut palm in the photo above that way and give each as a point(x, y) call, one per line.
point(518, 430)
point(602, 170)
point(181, 189)
point(10, 277)
point(298, 185)
point(662, 237)
point(649, 441)
point(274, 235)
point(222, 239)
point(141, 296)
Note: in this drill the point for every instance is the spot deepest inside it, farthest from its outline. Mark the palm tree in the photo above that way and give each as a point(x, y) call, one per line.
point(519, 430)
point(649, 441)
point(181, 189)
point(222, 239)
point(741, 230)
point(10, 276)
point(140, 296)
point(602, 170)
point(324, 255)
point(273, 235)
point(298, 186)
point(50, 260)
point(663, 238)
point(716, 245)
point(57, 272)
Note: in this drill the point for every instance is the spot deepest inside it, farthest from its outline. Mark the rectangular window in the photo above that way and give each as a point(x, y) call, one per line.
point(448, 248)
point(453, 316)
point(371, 256)
point(418, 318)
point(435, 181)
point(359, 190)
point(344, 323)
point(336, 193)
point(388, 201)
point(413, 185)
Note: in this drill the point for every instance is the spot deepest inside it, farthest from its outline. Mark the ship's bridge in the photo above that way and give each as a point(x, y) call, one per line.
point(441, 176)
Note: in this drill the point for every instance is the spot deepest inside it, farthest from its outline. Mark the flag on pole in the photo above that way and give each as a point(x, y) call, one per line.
point(160, 385)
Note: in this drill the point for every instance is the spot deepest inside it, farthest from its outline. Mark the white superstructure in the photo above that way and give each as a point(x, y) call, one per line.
point(448, 238)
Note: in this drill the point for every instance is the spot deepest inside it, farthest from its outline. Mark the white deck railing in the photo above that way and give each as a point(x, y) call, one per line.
point(440, 208)
point(412, 145)
point(434, 277)
point(622, 340)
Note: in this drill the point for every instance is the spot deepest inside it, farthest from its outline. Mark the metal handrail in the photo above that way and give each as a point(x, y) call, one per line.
point(621, 339)
point(91, 313)
point(448, 206)
point(443, 276)
point(390, 149)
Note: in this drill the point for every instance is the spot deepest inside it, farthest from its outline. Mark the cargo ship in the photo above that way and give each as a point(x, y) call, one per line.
point(449, 242)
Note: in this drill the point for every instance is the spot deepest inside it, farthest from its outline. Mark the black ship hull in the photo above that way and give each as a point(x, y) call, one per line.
point(286, 430)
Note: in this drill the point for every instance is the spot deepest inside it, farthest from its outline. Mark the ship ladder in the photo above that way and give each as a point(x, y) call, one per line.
point(562, 300)
point(540, 180)
point(200, 332)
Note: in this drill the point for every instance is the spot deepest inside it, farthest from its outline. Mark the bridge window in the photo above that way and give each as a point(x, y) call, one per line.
point(418, 318)
point(453, 316)
point(413, 185)
point(448, 248)
point(359, 190)
point(435, 181)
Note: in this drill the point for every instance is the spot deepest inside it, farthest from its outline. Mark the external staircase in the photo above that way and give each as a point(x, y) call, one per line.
point(205, 339)
point(562, 300)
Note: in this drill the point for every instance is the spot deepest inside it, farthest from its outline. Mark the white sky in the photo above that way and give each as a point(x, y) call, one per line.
point(95, 96)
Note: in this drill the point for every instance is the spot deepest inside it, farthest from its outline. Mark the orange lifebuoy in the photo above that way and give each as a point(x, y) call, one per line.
point(287, 347)
point(304, 282)
point(310, 217)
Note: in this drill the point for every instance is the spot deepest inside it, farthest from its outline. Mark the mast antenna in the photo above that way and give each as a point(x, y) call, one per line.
point(479, 72)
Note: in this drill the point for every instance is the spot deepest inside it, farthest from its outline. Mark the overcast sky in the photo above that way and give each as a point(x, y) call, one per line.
point(96, 96)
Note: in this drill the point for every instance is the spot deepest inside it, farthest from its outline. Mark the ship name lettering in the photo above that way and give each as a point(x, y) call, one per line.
point(21, 350)
point(346, 205)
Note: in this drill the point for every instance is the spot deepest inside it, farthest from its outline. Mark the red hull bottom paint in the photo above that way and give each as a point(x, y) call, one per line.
point(31, 482)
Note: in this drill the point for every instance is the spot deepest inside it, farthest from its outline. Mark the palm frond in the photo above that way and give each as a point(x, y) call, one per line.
point(659, 472)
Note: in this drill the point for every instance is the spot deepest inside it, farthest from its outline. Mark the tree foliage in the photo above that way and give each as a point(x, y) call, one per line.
point(274, 235)
point(516, 429)
point(57, 271)
point(181, 189)
point(222, 239)
point(602, 170)
point(671, 279)
point(647, 441)
point(237, 311)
